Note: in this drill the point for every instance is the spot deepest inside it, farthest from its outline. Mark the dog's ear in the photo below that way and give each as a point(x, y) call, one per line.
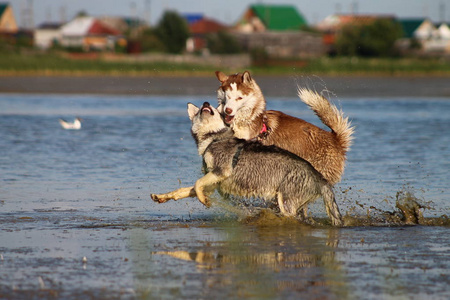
point(221, 76)
point(246, 78)
point(192, 110)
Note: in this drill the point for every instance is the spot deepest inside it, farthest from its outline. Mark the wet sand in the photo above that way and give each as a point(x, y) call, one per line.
point(272, 86)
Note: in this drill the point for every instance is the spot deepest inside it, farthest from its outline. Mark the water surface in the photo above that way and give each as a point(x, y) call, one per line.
point(66, 195)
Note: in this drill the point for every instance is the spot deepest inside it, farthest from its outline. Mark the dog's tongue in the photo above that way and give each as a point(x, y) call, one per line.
point(206, 107)
point(228, 119)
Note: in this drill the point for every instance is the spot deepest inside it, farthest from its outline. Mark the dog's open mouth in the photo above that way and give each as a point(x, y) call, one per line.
point(228, 119)
point(206, 107)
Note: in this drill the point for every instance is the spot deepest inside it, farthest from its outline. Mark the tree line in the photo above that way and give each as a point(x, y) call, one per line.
point(376, 39)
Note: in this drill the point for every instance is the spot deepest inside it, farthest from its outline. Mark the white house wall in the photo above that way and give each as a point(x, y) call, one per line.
point(424, 31)
point(77, 27)
point(44, 38)
point(444, 32)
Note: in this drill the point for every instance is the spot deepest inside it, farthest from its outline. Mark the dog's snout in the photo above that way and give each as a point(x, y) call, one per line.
point(228, 111)
point(206, 104)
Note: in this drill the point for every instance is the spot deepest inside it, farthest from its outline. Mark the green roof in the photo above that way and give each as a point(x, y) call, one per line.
point(279, 17)
point(409, 26)
point(3, 7)
point(133, 22)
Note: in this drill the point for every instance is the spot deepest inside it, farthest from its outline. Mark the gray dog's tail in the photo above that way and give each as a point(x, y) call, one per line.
point(331, 205)
point(330, 115)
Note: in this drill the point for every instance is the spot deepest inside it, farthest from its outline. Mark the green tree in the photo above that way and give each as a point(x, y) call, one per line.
point(223, 43)
point(82, 13)
point(375, 39)
point(347, 41)
point(150, 42)
point(172, 30)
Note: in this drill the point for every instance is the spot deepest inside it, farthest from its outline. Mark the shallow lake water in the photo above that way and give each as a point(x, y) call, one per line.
point(76, 219)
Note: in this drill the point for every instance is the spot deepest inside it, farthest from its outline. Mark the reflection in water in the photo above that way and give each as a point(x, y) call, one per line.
point(273, 260)
point(257, 262)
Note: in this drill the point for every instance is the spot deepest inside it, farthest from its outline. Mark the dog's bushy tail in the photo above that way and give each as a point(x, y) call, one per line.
point(330, 115)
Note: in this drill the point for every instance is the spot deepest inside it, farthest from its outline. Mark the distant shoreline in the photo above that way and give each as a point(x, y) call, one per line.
point(272, 85)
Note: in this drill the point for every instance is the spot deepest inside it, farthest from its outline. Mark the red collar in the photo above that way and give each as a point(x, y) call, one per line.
point(263, 129)
point(264, 132)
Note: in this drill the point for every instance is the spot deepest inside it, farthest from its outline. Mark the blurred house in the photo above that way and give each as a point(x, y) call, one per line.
point(332, 25)
point(131, 29)
point(261, 18)
point(130, 26)
point(443, 31)
point(417, 28)
point(192, 17)
point(200, 28)
point(431, 38)
point(89, 34)
point(439, 43)
point(336, 22)
point(47, 34)
point(277, 31)
point(118, 23)
point(8, 24)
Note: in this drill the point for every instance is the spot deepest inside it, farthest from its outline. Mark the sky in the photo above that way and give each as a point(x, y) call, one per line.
point(225, 11)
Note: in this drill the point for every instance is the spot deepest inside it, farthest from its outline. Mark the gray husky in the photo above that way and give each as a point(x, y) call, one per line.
point(250, 169)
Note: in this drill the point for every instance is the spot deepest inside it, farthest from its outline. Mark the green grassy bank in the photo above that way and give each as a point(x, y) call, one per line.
point(48, 64)
point(54, 65)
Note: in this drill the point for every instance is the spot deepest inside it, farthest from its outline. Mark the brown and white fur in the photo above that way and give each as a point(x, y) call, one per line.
point(243, 107)
point(249, 169)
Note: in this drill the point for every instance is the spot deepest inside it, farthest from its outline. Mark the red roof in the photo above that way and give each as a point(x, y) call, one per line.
point(361, 19)
point(98, 27)
point(336, 22)
point(205, 26)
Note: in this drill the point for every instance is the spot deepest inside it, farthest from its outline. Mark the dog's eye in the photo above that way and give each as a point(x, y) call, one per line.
point(239, 98)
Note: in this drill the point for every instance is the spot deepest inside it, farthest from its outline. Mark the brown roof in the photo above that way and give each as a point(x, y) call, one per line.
point(98, 27)
point(335, 22)
point(361, 19)
point(205, 26)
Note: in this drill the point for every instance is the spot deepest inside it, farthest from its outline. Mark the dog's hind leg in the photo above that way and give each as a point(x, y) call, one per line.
point(180, 193)
point(285, 209)
point(302, 213)
point(331, 205)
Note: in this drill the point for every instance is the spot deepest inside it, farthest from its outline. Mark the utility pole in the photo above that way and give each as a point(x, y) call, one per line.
point(442, 12)
point(147, 11)
point(27, 15)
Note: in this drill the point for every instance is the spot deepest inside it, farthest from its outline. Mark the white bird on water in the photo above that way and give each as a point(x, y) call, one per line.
point(75, 125)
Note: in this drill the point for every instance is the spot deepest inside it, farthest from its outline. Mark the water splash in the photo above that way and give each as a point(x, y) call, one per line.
point(400, 210)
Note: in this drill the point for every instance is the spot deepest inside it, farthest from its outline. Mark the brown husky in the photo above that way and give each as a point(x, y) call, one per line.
point(243, 106)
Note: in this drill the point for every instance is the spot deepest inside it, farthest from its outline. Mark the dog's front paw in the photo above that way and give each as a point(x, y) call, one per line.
point(205, 201)
point(157, 198)
point(337, 222)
